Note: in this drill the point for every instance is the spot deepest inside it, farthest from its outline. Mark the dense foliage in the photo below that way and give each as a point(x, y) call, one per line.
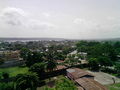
point(99, 54)
point(63, 84)
point(43, 60)
point(7, 86)
point(26, 81)
point(38, 68)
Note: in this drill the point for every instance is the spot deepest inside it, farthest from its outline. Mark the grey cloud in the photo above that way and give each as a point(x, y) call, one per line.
point(12, 16)
point(70, 18)
point(17, 17)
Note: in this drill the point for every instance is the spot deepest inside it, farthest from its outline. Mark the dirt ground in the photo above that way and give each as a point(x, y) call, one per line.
point(104, 78)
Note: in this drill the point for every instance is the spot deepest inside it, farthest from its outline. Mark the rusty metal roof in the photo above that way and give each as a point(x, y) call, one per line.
point(90, 84)
point(78, 73)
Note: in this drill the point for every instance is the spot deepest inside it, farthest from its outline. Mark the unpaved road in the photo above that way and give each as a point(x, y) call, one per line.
point(104, 78)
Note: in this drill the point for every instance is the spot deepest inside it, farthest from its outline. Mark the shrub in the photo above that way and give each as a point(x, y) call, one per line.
point(5, 75)
point(7, 86)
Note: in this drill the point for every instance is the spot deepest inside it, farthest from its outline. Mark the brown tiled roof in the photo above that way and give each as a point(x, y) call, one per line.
point(60, 61)
point(78, 73)
point(61, 67)
point(90, 84)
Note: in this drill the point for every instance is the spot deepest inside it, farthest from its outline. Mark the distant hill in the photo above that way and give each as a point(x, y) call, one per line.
point(114, 39)
point(31, 39)
point(98, 39)
point(55, 39)
point(107, 39)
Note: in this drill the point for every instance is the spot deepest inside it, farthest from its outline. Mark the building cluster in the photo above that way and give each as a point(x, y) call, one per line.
point(84, 80)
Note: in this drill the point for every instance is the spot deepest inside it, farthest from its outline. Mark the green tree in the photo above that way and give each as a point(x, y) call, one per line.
point(104, 61)
point(109, 51)
point(93, 63)
point(5, 75)
point(26, 81)
point(50, 61)
point(38, 68)
point(24, 52)
point(7, 86)
point(34, 57)
point(117, 44)
point(117, 47)
point(65, 84)
point(51, 65)
point(59, 56)
point(82, 46)
point(117, 68)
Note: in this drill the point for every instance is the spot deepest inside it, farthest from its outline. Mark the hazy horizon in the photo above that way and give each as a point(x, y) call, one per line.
point(69, 19)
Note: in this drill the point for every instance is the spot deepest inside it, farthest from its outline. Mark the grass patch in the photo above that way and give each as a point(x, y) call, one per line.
point(114, 86)
point(13, 71)
point(114, 74)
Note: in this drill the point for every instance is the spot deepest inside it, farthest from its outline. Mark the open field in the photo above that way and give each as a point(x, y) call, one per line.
point(13, 71)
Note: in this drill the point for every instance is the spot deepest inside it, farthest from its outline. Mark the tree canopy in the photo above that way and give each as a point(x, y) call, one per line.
point(26, 81)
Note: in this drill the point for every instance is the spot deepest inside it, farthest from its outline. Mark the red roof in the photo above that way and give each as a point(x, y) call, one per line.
point(60, 61)
point(61, 67)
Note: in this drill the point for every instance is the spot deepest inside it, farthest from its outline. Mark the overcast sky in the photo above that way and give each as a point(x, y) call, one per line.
point(78, 19)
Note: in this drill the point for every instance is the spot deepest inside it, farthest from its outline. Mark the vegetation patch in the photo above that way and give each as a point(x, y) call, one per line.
point(114, 86)
point(13, 71)
point(61, 83)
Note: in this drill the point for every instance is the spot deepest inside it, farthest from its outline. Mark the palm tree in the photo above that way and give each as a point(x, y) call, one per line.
point(26, 81)
point(38, 68)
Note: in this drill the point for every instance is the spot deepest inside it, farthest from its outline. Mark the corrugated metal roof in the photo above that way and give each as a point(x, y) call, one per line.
point(78, 73)
point(90, 84)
